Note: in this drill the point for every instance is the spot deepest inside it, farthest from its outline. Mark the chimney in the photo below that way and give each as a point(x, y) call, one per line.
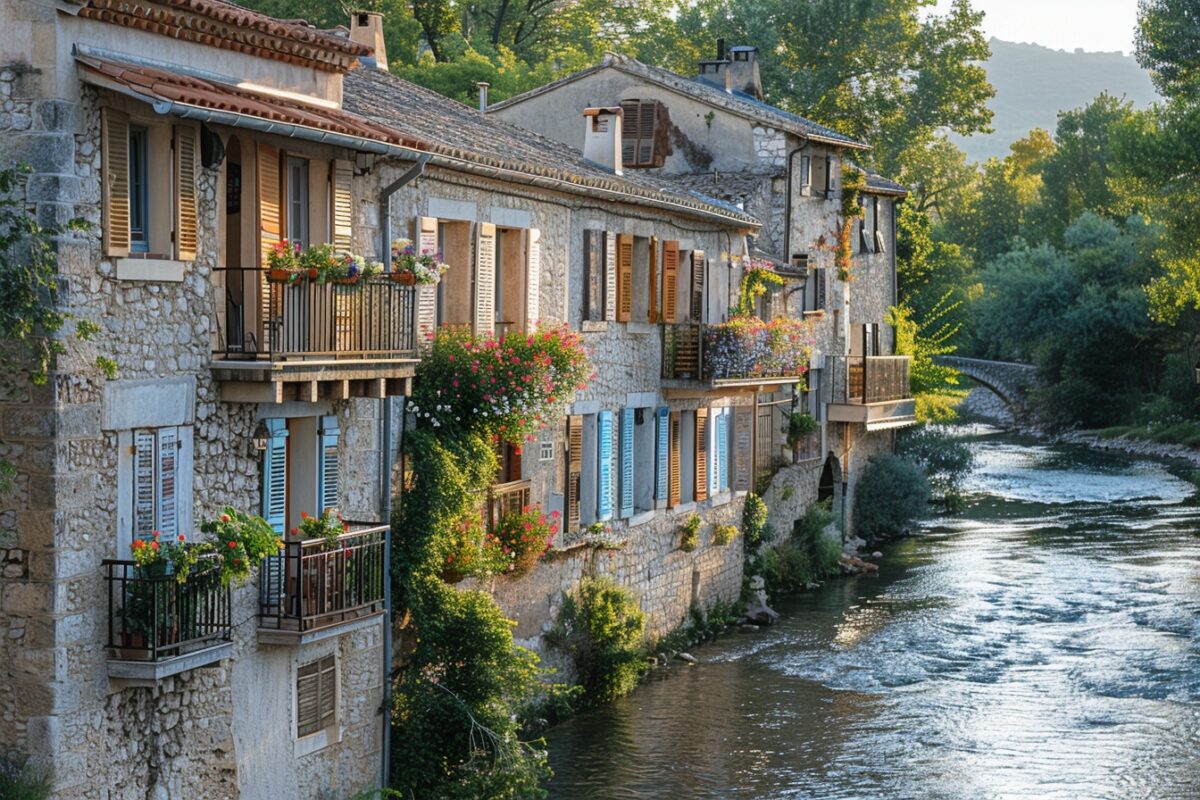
point(716, 71)
point(483, 89)
point(602, 136)
point(743, 71)
point(366, 27)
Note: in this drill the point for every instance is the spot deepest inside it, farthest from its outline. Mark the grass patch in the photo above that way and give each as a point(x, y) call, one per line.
point(1185, 433)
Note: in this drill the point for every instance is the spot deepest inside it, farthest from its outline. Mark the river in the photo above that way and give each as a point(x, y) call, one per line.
point(1044, 643)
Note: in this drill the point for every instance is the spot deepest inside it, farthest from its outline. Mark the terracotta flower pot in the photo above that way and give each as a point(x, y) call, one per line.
point(404, 278)
point(279, 275)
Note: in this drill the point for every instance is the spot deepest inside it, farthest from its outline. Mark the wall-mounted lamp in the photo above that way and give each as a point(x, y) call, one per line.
point(261, 436)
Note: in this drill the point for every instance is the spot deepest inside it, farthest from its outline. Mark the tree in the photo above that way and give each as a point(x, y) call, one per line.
point(1168, 46)
point(401, 31)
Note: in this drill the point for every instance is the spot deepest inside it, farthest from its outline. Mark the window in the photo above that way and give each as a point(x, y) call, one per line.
point(828, 176)
point(297, 200)
point(316, 696)
point(865, 240)
point(814, 290)
point(139, 192)
point(644, 133)
point(818, 169)
point(880, 246)
point(158, 463)
point(593, 275)
point(301, 469)
point(805, 175)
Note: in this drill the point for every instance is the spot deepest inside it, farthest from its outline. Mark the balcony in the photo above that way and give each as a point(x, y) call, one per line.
point(873, 390)
point(310, 341)
point(158, 627)
point(312, 590)
point(744, 353)
point(505, 498)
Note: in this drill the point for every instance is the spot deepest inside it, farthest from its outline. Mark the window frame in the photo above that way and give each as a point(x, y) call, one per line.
point(595, 279)
point(139, 190)
point(294, 166)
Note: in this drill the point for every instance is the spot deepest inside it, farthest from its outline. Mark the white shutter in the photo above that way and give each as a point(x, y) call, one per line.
point(343, 206)
point(143, 485)
point(485, 279)
point(533, 278)
point(427, 240)
point(328, 482)
point(168, 482)
point(610, 276)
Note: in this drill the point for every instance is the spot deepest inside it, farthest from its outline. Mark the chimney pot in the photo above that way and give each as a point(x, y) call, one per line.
point(483, 94)
point(743, 70)
point(366, 27)
point(602, 136)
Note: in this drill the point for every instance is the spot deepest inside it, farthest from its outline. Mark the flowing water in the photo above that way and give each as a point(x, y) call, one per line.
point(1044, 643)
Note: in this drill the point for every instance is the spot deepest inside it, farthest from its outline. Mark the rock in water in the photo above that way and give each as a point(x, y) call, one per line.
point(686, 657)
point(757, 611)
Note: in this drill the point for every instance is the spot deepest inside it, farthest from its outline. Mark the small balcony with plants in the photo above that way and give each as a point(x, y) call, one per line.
point(872, 390)
point(327, 578)
point(743, 352)
point(314, 324)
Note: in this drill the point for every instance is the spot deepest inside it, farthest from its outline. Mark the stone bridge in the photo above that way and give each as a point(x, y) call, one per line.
point(1008, 380)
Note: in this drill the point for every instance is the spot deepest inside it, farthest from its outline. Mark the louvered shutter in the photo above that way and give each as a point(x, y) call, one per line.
point(185, 193)
point(624, 277)
point(316, 696)
point(701, 454)
point(144, 466)
point(652, 314)
point(721, 477)
point(629, 133)
point(610, 276)
point(342, 173)
point(627, 422)
point(274, 495)
point(673, 490)
point(427, 239)
point(699, 265)
point(328, 704)
point(743, 437)
point(670, 280)
point(662, 456)
point(167, 516)
point(114, 144)
point(819, 289)
point(533, 278)
point(485, 279)
point(574, 468)
point(604, 451)
point(638, 128)
point(327, 485)
point(270, 227)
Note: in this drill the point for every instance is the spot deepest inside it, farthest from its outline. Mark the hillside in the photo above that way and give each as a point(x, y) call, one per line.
point(1033, 83)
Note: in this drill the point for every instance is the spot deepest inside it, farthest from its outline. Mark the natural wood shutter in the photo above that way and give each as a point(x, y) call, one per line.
point(485, 279)
point(270, 202)
point(343, 206)
point(670, 280)
point(698, 269)
point(624, 277)
point(639, 133)
point(316, 696)
point(652, 314)
point(533, 278)
point(185, 193)
point(701, 453)
point(610, 276)
point(574, 469)
point(673, 489)
point(743, 443)
point(114, 143)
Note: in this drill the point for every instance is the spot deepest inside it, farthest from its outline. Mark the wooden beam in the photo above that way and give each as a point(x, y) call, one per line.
point(242, 392)
point(306, 392)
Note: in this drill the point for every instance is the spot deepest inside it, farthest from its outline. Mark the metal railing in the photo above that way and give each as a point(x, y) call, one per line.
point(870, 379)
point(683, 351)
point(730, 351)
point(313, 585)
point(152, 616)
point(506, 498)
point(371, 318)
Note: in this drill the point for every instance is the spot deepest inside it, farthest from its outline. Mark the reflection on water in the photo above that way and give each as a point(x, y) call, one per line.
point(1043, 644)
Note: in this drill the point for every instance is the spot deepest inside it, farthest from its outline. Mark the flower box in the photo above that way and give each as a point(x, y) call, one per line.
point(404, 278)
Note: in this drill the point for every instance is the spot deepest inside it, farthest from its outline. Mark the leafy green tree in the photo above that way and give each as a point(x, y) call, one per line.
point(936, 388)
point(1168, 45)
point(401, 31)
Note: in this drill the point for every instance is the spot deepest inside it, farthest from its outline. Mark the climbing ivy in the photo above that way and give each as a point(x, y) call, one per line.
point(757, 276)
point(854, 183)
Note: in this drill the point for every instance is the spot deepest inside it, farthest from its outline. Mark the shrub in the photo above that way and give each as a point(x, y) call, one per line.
point(945, 460)
point(807, 556)
point(892, 493)
point(21, 780)
point(601, 628)
point(754, 520)
point(724, 535)
point(691, 533)
point(520, 540)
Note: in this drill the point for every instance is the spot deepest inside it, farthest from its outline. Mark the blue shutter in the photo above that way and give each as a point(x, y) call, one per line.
point(626, 462)
point(327, 485)
point(604, 430)
point(723, 451)
point(275, 476)
point(664, 440)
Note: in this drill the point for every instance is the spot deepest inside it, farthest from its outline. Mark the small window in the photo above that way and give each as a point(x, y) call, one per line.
point(644, 131)
point(297, 200)
point(828, 176)
point(805, 175)
point(593, 275)
point(316, 696)
point(139, 203)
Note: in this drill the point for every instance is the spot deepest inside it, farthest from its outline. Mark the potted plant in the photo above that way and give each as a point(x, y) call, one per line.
point(242, 540)
point(800, 426)
point(283, 262)
point(412, 267)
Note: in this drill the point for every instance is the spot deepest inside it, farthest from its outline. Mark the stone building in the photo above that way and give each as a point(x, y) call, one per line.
point(201, 140)
point(714, 133)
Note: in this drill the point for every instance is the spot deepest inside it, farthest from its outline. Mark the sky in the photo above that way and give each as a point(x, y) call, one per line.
point(1095, 25)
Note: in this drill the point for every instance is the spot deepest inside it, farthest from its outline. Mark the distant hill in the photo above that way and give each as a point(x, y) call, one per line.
point(1033, 83)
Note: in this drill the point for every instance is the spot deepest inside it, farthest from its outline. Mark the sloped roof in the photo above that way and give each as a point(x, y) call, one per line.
point(880, 185)
point(735, 102)
point(452, 129)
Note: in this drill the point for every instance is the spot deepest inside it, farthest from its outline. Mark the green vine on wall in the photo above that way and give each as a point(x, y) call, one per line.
point(854, 183)
point(757, 276)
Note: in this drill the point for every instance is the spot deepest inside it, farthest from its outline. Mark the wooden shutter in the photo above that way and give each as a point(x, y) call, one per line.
point(533, 278)
point(627, 423)
point(624, 277)
point(485, 279)
point(629, 132)
point(721, 478)
point(701, 454)
point(185, 193)
point(828, 176)
point(670, 280)
point(652, 314)
point(342, 173)
point(639, 126)
point(144, 459)
point(743, 438)
point(610, 276)
point(673, 489)
point(167, 488)
point(426, 239)
point(819, 288)
point(699, 265)
point(574, 469)
point(270, 225)
point(114, 145)
point(604, 452)
point(805, 177)
point(327, 486)
point(316, 696)
point(663, 457)
point(274, 494)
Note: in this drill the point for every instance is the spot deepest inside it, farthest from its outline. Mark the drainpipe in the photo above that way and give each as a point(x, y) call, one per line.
point(385, 231)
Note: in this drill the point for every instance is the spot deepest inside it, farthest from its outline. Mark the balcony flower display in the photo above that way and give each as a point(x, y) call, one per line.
point(327, 526)
point(157, 557)
point(242, 541)
point(288, 262)
point(520, 540)
point(747, 347)
point(424, 267)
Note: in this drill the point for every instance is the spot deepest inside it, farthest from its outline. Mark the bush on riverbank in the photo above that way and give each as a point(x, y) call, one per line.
point(601, 628)
point(807, 556)
point(945, 460)
point(1174, 431)
point(892, 493)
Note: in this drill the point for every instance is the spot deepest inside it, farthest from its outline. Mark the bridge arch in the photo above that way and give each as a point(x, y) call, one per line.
point(1011, 381)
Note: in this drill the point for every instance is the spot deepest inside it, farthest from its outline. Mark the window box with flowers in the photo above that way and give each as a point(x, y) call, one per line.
point(747, 347)
point(410, 267)
point(289, 263)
